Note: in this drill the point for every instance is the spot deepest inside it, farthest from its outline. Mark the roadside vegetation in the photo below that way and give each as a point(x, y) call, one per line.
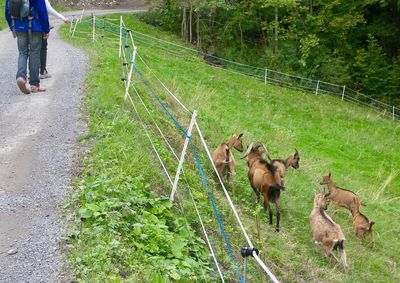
point(3, 22)
point(125, 229)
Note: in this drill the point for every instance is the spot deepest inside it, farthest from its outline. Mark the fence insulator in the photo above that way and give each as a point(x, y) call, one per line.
point(246, 251)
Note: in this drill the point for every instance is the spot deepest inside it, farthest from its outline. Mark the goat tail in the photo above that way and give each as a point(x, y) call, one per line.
point(340, 245)
point(370, 224)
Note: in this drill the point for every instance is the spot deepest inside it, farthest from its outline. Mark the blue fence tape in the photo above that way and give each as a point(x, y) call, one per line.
point(200, 168)
point(221, 227)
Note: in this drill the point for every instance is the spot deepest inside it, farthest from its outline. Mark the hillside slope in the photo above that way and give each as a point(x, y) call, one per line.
point(357, 145)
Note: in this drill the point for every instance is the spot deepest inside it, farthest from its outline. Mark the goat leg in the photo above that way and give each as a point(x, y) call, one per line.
point(278, 214)
point(268, 207)
point(329, 252)
point(373, 238)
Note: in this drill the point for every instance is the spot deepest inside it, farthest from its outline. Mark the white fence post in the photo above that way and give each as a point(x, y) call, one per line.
point(316, 90)
point(393, 113)
point(71, 24)
point(344, 89)
point(80, 20)
point(93, 26)
point(178, 172)
point(120, 37)
point(265, 76)
point(76, 24)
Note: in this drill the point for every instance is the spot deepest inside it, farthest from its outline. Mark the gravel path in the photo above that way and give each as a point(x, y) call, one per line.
point(38, 149)
point(38, 134)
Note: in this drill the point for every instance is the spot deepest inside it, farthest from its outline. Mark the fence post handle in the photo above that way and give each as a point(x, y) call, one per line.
point(178, 172)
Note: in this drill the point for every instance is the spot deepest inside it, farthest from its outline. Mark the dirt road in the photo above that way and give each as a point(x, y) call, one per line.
point(38, 148)
point(38, 135)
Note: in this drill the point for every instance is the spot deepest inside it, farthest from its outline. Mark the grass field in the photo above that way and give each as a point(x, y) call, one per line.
point(357, 145)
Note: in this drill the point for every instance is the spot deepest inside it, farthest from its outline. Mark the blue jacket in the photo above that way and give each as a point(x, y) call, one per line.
point(40, 22)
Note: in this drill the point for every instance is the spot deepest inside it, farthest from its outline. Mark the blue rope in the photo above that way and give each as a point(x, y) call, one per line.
point(195, 154)
point(179, 126)
point(221, 227)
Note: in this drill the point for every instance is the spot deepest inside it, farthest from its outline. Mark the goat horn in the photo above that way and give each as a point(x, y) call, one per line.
point(296, 151)
point(247, 151)
point(266, 152)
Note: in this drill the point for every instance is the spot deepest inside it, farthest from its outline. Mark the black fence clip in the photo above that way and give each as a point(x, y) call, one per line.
point(246, 251)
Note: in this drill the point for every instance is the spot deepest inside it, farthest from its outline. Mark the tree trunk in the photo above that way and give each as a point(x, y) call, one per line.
point(191, 24)
point(241, 40)
point(198, 32)
point(183, 25)
point(276, 30)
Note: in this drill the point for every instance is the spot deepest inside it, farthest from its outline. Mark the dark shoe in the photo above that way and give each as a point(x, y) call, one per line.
point(35, 89)
point(44, 75)
point(21, 83)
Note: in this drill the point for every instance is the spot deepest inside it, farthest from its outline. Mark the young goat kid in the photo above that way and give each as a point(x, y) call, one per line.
point(325, 231)
point(264, 179)
point(341, 197)
point(223, 158)
point(282, 165)
point(362, 225)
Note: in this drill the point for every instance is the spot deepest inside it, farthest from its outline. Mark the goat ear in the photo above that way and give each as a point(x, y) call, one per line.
point(240, 135)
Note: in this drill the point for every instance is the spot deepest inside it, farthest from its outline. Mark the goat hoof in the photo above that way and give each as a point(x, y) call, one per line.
point(276, 229)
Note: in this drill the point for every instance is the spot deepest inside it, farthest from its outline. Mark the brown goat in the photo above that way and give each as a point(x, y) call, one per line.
point(282, 165)
point(264, 179)
point(325, 231)
point(223, 158)
point(341, 197)
point(362, 225)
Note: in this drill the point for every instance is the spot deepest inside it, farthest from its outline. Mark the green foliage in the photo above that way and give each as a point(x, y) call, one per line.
point(371, 69)
point(326, 40)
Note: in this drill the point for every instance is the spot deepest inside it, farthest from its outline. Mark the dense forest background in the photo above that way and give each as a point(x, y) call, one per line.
point(354, 43)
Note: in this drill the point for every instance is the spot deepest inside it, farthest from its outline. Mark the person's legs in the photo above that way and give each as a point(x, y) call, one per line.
point(34, 58)
point(43, 56)
point(23, 48)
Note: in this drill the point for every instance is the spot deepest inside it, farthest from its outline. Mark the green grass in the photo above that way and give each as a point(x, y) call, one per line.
point(357, 145)
point(3, 22)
